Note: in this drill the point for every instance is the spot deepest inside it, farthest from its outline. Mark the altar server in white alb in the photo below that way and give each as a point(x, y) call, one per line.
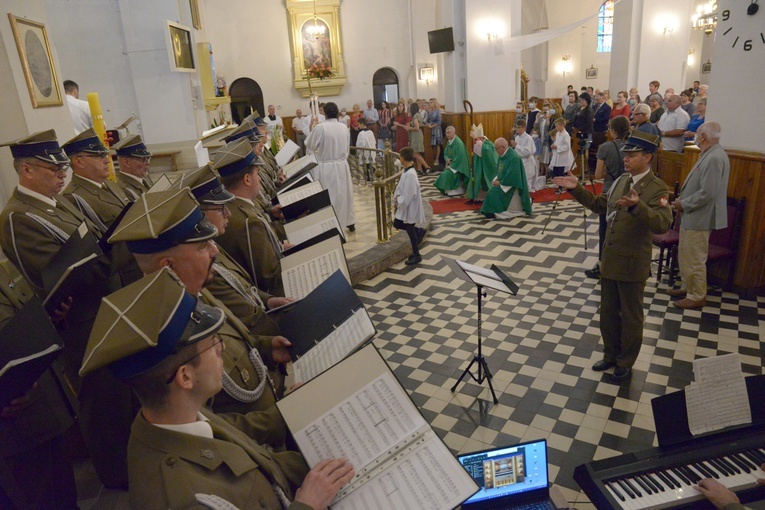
point(409, 209)
point(526, 148)
point(331, 142)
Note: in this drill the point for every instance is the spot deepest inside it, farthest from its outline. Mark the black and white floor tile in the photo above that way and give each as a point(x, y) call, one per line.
point(540, 344)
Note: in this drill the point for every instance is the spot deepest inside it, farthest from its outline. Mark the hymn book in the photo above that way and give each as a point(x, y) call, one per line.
point(286, 153)
point(357, 410)
point(306, 266)
point(325, 327)
point(302, 229)
point(29, 343)
point(299, 167)
point(69, 273)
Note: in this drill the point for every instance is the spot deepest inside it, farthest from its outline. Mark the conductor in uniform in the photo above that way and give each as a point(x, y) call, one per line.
point(636, 208)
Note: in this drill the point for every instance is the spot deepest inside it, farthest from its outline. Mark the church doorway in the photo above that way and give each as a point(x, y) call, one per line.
point(385, 86)
point(246, 96)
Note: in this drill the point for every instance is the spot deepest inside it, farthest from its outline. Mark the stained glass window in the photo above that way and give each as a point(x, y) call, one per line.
point(605, 26)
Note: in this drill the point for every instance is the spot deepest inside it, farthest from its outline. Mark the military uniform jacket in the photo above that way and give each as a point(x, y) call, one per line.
point(241, 380)
point(131, 187)
point(168, 468)
point(628, 244)
point(107, 201)
point(31, 245)
point(249, 243)
point(46, 416)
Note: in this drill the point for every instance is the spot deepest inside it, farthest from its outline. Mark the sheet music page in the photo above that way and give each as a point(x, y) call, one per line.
point(470, 268)
point(300, 280)
point(335, 346)
point(311, 231)
point(427, 477)
point(719, 398)
point(300, 193)
point(362, 427)
point(286, 153)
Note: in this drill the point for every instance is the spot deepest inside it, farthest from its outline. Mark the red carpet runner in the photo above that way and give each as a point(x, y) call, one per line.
point(450, 205)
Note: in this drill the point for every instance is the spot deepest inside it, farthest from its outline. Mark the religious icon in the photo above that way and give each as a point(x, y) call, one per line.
point(317, 45)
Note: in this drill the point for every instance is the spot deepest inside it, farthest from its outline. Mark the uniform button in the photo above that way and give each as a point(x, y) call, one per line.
point(170, 461)
point(262, 504)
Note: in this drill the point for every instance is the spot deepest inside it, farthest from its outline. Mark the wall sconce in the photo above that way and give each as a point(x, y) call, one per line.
point(691, 60)
point(665, 24)
point(565, 66)
point(492, 28)
point(427, 73)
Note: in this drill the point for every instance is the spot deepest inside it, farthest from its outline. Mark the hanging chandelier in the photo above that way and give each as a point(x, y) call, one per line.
point(705, 17)
point(316, 30)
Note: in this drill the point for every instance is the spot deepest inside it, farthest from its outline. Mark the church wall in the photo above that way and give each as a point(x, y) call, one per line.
point(19, 118)
point(492, 66)
point(95, 56)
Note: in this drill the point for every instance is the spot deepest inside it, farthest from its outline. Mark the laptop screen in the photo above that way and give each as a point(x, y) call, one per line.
point(508, 471)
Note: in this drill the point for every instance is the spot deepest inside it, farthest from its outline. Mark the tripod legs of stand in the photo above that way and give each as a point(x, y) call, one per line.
point(483, 368)
point(483, 374)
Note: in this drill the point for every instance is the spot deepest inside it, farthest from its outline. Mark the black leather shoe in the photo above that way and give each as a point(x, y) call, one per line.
point(413, 259)
point(352, 228)
point(621, 373)
point(603, 365)
point(593, 273)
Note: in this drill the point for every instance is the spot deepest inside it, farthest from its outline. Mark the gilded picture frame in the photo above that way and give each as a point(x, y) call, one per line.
point(320, 47)
point(196, 19)
point(36, 62)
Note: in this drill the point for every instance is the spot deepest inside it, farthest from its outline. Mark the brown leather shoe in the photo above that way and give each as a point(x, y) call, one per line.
point(677, 292)
point(687, 303)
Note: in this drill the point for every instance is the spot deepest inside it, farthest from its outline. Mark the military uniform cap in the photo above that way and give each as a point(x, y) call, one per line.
point(88, 142)
point(245, 130)
point(235, 157)
point(205, 185)
point(132, 146)
point(42, 145)
point(142, 324)
point(641, 141)
point(157, 221)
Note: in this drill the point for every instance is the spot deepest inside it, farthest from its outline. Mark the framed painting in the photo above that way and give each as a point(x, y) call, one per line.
point(36, 61)
point(706, 68)
point(591, 73)
point(315, 40)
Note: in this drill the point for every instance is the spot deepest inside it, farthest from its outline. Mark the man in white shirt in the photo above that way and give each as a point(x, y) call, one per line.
point(299, 127)
point(371, 117)
point(78, 109)
point(672, 125)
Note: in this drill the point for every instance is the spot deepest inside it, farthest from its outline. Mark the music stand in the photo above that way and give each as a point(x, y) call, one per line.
point(495, 279)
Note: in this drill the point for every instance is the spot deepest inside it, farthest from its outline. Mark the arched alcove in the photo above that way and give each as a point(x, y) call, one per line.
point(246, 96)
point(385, 86)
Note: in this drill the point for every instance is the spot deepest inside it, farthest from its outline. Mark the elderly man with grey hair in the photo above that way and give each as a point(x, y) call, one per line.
point(703, 203)
point(641, 116)
point(672, 125)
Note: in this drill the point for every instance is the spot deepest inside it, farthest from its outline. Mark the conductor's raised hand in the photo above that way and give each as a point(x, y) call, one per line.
point(630, 199)
point(323, 481)
point(568, 181)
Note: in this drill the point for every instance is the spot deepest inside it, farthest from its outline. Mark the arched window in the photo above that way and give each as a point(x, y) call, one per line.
point(246, 97)
point(385, 86)
point(605, 26)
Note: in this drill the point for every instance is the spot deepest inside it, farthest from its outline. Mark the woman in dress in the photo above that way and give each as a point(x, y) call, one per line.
point(356, 117)
point(400, 122)
point(697, 119)
point(385, 121)
point(436, 135)
point(416, 141)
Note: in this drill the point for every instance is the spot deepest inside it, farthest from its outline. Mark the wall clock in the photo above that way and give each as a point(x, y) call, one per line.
point(740, 29)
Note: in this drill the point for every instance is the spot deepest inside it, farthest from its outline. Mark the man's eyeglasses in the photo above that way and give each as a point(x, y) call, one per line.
point(216, 340)
point(95, 156)
point(218, 208)
point(58, 170)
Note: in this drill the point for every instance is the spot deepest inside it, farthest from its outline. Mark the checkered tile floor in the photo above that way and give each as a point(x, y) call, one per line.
point(541, 343)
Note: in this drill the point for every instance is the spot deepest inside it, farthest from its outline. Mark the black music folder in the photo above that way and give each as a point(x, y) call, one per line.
point(332, 313)
point(29, 343)
point(307, 205)
point(670, 413)
point(70, 273)
point(297, 183)
point(297, 169)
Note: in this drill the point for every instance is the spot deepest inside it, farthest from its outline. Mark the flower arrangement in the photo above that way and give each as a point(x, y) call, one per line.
point(319, 71)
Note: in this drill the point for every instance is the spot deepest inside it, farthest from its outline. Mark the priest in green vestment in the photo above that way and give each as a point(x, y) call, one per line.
point(509, 193)
point(484, 165)
point(454, 178)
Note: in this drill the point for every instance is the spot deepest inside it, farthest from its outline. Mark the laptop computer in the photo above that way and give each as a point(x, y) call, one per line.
point(509, 477)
